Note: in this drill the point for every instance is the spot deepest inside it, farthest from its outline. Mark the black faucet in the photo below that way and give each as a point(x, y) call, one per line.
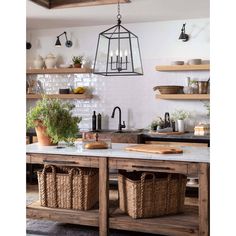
point(120, 126)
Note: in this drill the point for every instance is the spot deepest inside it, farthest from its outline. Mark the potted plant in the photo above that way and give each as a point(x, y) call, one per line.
point(77, 60)
point(53, 121)
point(157, 124)
point(180, 116)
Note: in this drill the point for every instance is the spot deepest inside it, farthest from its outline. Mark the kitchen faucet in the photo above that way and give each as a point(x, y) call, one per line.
point(120, 126)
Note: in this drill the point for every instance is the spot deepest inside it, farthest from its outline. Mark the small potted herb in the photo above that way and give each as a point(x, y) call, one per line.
point(180, 116)
point(157, 124)
point(53, 121)
point(77, 61)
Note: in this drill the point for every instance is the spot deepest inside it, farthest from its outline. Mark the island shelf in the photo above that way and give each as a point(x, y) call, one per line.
point(194, 162)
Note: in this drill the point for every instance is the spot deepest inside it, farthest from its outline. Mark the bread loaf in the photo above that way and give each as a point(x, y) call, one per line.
point(96, 145)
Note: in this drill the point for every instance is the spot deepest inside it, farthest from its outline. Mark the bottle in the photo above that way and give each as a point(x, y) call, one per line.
point(99, 121)
point(94, 119)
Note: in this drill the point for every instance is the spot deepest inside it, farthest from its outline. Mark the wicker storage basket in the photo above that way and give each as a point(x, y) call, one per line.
point(68, 188)
point(145, 194)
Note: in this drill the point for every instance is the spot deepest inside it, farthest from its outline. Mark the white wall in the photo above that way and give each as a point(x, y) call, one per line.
point(159, 45)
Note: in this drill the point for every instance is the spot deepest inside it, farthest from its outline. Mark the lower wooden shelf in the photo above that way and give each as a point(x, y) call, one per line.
point(181, 224)
point(183, 96)
point(35, 211)
point(60, 96)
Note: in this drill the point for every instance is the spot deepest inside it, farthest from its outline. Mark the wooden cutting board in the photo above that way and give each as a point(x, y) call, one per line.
point(153, 148)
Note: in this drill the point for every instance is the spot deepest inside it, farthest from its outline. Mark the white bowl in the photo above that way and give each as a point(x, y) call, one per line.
point(195, 61)
point(177, 63)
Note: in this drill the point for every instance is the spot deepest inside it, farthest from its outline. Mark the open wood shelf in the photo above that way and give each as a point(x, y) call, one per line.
point(35, 211)
point(59, 71)
point(60, 96)
point(183, 67)
point(183, 96)
point(180, 224)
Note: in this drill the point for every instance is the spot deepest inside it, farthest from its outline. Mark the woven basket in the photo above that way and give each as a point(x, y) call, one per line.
point(68, 188)
point(145, 194)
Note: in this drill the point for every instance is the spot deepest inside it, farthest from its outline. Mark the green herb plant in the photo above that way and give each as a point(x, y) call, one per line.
point(57, 117)
point(157, 123)
point(77, 59)
point(207, 106)
point(180, 115)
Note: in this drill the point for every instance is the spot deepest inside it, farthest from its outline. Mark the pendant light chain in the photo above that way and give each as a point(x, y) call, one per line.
point(118, 9)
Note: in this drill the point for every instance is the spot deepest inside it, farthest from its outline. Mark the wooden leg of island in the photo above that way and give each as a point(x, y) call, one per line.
point(103, 197)
point(204, 199)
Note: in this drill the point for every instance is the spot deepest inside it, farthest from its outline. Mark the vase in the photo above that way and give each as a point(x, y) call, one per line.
point(77, 65)
point(43, 138)
point(180, 124)
point(50, 61)
point(38, 62)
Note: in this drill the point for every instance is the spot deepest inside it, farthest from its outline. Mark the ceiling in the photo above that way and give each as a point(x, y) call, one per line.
point(39, 17)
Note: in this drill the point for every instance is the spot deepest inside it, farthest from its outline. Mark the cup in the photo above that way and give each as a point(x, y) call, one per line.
point(202, 87)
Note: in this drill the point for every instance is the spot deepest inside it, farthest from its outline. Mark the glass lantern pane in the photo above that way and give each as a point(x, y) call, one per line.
point(136, 55)
point(101, 59)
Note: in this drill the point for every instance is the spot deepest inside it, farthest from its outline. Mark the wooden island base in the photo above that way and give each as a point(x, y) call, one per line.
point(194, 220)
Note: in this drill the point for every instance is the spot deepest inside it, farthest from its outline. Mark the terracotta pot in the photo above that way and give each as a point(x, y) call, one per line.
point(43, 138)
point(77, 65)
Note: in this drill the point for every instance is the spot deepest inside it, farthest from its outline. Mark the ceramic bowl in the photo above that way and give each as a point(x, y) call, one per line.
point(195, 62)
point(177, 63)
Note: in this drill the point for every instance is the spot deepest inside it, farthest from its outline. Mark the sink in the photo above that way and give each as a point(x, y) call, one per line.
point(125, 131)
point(129, 131)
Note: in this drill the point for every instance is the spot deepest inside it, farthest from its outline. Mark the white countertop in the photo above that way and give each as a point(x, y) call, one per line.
point(190, 154)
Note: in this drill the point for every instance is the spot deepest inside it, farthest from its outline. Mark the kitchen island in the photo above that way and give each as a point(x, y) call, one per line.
point(194, 161)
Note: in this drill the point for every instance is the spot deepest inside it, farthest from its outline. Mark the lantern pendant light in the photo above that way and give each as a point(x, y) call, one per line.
point(118, 52)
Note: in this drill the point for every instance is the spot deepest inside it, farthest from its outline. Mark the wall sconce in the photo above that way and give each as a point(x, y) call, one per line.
point(28, 45)
point(68, 42)
point(184, 37)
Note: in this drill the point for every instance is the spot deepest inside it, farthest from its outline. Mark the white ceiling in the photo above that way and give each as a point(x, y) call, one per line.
point(136, 11)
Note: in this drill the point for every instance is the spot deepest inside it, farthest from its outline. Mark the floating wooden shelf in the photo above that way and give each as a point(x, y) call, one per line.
point(61, 96)
point(183, 96)
point(183, 67)
point(59, 71)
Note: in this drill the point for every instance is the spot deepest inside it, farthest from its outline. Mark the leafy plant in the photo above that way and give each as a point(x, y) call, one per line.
point(207, 106)
point(77, 59)
point(180, 115)
point(159, 122)
point(57, 117)
point(192, 82)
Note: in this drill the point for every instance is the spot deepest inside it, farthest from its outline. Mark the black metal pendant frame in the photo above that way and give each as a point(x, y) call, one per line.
point(119, 67)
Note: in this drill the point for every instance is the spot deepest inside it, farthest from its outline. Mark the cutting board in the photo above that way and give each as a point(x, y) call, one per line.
point(153, 148)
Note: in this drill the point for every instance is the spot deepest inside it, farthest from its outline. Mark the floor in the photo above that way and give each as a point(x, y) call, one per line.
point(46, 227)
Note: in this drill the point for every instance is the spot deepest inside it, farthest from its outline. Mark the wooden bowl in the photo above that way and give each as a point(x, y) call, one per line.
point(171, 89)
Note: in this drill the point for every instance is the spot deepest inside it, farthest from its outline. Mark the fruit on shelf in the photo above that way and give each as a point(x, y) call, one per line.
point(79, 90)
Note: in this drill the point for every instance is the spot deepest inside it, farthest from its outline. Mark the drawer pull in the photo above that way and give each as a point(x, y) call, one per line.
point(153, 168)
point(59, 162)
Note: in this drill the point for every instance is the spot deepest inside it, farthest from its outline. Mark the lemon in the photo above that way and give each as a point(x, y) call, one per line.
point(79, 90)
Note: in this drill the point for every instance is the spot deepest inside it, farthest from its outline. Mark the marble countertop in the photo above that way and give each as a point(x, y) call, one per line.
point(190, 154)
point(189, 135)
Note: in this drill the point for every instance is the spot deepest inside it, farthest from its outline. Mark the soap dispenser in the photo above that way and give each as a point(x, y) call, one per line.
point(94, 120)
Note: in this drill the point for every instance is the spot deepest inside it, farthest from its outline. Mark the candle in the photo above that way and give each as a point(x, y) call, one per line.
point(126, 53)
point(121, 53)
point(117, 52)
point(111, 53)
